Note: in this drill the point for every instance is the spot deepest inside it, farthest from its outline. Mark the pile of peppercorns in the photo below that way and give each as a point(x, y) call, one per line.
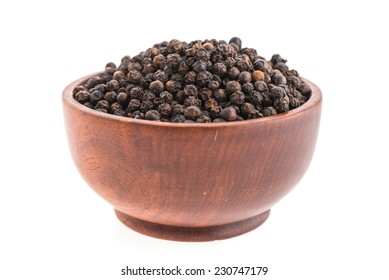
point(201, 81)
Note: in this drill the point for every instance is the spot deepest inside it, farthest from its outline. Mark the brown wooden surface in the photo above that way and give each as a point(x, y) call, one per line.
point(210, 177)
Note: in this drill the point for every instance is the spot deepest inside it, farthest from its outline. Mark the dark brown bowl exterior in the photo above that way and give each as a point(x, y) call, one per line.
point(191, 182)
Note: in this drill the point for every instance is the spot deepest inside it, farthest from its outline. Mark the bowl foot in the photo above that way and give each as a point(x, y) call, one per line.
point(178, 233)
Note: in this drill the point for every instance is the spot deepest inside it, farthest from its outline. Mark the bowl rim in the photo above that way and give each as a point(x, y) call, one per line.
point(68, 99)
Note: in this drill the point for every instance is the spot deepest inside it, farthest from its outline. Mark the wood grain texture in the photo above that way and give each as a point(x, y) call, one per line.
point(197, 177)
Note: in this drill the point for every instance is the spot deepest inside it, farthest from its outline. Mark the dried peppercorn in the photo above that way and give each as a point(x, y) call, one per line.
point(82, 96)
point(165, 109)
point(200, 81)
point(122, 98)
point(228, 114)
point(152, 115)
point(157, 86)
point(232, 86)
point(237, 97)
point(110, 96)
point(96, 96)
point(192, 112)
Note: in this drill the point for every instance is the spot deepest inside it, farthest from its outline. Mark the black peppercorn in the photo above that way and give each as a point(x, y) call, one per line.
point(213, 85)
point(118, 75)
point(202, 54)
point(134, 105)
point(203, 119)
point(229, 114)
point(190, 90)
point(92, 82)
point(219, 120)
point(219, 69)
point(102, 104)
point(192, 112)
point(203, 78)
point(115, 106)
point(134, 76)
point(258, 75)
point(82, 96)
point(178, 119)
point(261, 64)
point(166, 97)
point(233, 73)
point(233, 86)
point(210, 103)
point(172, 86)
point(276, 58)
point(237, 98)
point(96, 96)
point(190, 77)
point(110, 96)
point(165, 109)
point(152, 115)
point(247, 88)
point(113, 85)
point(294, 81)
point(279, 79)
point(178, 109)
point(220, 95)
point(119, 112)
point(304, 89)
point(198, 81)
point(192, 101)
point(205, 94)
point(122, 98)
point(79, 88)
point(244, 77)
point(200, 66)
point(157, 86)
point(236, 41)
point(136, 93)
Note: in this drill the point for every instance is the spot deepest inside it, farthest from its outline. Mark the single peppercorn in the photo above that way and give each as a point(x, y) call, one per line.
point(237, 97)
point(237, 41)
point(134, 105)
point(192, 101)
point(233, 86)
point(247, 88)
point(233, 73)
point(210, 103)
point(115, 106)
point(258, 75)
point(165, 109)
point(82, 96)
point(178, 119)
point(228, 114)
point(200, 66)
point(203, 78)
point(93, 82)
point(244, 77)
point(110, 96)
point(122, 98)
point(192, 112)
point(157, 86)
point(219, 69)
point(152, 115)
point(190, 90)
point(113, 85)
point(102, 104)
point(96, 96)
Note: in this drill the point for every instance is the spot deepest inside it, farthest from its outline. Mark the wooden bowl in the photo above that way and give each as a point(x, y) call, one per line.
point(191, 182)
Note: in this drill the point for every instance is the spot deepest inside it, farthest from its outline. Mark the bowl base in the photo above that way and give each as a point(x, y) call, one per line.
point(194, 234)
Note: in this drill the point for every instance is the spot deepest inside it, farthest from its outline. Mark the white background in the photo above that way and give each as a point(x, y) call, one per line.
point(333, 225)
